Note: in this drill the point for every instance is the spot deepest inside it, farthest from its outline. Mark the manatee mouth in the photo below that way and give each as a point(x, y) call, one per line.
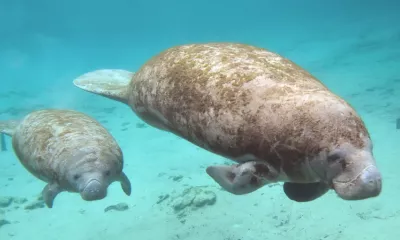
point(365, 185)
point(94, 190)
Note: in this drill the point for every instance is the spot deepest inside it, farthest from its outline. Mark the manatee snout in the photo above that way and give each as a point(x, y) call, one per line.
point(93, 185)
point(367, 184)
point(94, 190)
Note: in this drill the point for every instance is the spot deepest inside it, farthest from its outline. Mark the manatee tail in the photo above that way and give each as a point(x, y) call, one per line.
point(6, 128)
point(110, 83)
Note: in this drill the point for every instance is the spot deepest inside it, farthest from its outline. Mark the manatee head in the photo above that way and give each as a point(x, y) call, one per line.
point(93, 173)
point(352, 172)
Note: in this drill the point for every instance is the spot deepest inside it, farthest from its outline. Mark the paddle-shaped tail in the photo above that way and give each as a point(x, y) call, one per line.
point(110, 83)
point(6, 128)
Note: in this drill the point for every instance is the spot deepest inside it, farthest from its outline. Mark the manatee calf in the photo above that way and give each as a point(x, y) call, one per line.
point(70, 151)
point(255, 107)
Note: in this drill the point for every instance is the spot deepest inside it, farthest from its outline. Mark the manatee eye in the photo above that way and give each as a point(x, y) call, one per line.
point(76, 176)
point(107, 173)
point(335, 157)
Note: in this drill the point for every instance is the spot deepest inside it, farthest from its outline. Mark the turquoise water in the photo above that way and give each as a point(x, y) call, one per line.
point(352, 46)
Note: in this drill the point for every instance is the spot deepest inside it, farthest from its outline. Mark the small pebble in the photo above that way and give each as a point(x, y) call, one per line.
point(117, 207)
point(162, 198)
point(3, 222)
point(177, 178)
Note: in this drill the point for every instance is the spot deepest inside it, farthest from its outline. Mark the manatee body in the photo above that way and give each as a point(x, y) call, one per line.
point(70, 151)
point(255, 107)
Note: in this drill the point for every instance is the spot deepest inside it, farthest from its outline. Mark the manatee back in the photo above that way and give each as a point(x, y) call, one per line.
point(46, 142)
point(228, 93)
point(188, 73)
point(189, 85)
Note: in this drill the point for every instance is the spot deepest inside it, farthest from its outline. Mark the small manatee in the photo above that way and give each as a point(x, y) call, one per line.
point(70, 151)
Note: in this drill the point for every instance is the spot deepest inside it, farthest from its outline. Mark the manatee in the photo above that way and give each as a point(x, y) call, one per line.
point(68, 150)
point(272, 118)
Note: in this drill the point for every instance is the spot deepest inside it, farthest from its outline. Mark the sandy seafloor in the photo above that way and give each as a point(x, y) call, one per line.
point(362, 66)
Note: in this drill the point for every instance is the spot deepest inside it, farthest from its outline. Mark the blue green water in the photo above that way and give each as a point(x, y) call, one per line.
point(352, 46)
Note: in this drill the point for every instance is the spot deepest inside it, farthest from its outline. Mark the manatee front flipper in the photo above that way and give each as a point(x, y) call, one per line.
point(6, 128)
point(305, 192)
point(243, 178)
point(50, 192)
point(125, 184)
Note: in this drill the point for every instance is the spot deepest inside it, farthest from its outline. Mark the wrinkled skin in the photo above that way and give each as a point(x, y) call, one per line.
point(257, 108)
point(90, 177)
point(68, 150)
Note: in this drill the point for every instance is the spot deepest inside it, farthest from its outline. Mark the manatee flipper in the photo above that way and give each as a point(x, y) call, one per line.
point(243, 178)
point(49, 193)
point(125, 184)
point(305, 192)
point(110, 83)
point(6, 128)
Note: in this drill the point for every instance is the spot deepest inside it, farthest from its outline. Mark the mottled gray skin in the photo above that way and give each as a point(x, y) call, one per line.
point(256, 108)
point(70, 151)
